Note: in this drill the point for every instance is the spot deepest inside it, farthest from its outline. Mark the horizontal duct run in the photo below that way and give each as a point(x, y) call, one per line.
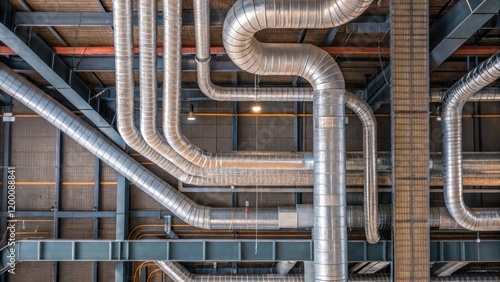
point(178, 273)
point(184, 208)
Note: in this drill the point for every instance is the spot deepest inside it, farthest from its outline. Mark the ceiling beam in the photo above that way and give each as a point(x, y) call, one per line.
point(51, 67)
point(458, 25)
point(219, 50)
point(237, 250)
point(98, 19)
point(106, 19)
point(446, 37)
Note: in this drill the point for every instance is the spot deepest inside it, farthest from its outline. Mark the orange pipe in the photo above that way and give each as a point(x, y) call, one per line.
point(110, 50)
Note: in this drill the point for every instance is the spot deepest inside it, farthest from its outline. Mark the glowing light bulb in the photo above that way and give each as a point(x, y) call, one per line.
point(256, 107)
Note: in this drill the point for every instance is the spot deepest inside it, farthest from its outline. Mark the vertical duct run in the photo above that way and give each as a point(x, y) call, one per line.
point(243, 20)
point(410, 138)
point(367, 118)
point(330, 226)
point(454, 100)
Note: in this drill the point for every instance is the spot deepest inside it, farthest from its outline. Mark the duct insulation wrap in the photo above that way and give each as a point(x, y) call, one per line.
point(456, 96)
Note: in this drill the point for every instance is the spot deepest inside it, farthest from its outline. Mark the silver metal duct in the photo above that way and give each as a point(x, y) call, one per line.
point(125, 117)
point(123, 31)
point(91, 139)
point(178, 273)
point(184, 208)
point(449, 268)
point(243, 20)
point(215, 92)
point(456, 96)
point(284, 266)
point(330, 226)
point(344, 13)
point(172, 124)
point(483, 95)
point(365, 114)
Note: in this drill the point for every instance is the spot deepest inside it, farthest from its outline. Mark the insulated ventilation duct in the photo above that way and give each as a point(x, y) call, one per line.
point(454, 100)
point(243, 20)
point(184, 208)
point(185, 161)
point(174, 164)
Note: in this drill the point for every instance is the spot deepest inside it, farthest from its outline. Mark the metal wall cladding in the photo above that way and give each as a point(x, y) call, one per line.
point(76, 228)
point(25, 271)
point(212, 199)
point(107, 228)
point(33, 152)
point(34, 197)
point(266, 199)
point(75, 271)
point(77, 163)
point(106, 271)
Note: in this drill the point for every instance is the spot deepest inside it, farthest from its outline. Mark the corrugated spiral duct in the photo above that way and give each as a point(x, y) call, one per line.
point(243, 20)
point(454, 100)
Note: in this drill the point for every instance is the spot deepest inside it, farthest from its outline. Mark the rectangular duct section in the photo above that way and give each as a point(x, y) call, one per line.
point(410, 138)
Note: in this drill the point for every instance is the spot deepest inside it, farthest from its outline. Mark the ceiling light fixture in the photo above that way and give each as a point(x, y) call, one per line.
point(191, 115)
point(256, 107)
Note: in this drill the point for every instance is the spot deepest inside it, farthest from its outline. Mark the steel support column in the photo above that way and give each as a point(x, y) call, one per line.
point(57, 195)
point(95, 220)
point(122, 223)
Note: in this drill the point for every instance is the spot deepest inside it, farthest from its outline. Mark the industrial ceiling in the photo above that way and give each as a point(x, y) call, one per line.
point(132, 150)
